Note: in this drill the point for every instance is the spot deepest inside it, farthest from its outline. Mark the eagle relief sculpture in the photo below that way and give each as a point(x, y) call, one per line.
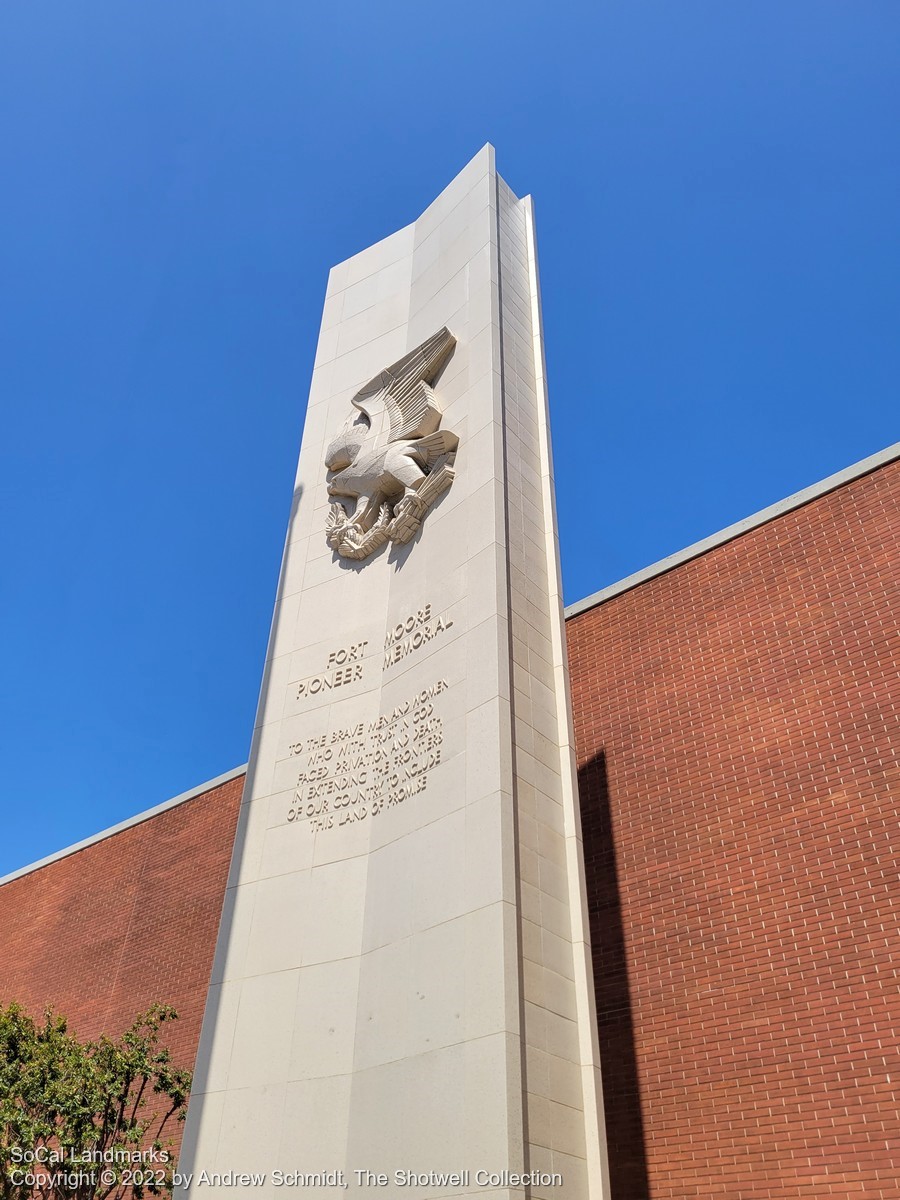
point(391, 459)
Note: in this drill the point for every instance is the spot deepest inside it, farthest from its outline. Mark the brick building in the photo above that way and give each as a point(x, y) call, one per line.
point(736, 715)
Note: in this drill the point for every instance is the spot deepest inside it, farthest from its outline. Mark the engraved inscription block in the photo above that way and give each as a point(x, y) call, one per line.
point(352, 773)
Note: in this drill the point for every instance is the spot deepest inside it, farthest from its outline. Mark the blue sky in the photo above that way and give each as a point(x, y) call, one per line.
point(716, 187)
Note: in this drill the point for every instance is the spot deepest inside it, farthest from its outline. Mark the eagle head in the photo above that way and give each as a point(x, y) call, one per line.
point(346, 445)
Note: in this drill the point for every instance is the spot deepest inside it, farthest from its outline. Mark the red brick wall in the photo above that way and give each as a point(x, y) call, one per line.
point(130, 920)
point(737, 725)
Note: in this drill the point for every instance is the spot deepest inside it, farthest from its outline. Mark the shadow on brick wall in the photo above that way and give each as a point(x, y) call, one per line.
point(621, 1092)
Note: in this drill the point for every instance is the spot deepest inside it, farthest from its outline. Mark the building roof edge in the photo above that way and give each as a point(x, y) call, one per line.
point(126, 824)
point(864, 467)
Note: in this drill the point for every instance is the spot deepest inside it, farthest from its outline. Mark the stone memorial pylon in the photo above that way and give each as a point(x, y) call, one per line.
point(402, 985)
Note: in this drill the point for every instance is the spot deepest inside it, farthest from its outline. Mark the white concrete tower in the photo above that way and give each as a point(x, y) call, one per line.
point(402, 981)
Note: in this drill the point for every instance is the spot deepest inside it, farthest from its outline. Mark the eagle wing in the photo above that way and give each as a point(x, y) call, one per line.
point(405, 389)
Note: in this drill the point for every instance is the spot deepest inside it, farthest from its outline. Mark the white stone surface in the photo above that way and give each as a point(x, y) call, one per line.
point(402, 976)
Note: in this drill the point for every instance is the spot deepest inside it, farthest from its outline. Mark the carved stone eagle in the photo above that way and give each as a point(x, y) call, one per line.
point(391, 459)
